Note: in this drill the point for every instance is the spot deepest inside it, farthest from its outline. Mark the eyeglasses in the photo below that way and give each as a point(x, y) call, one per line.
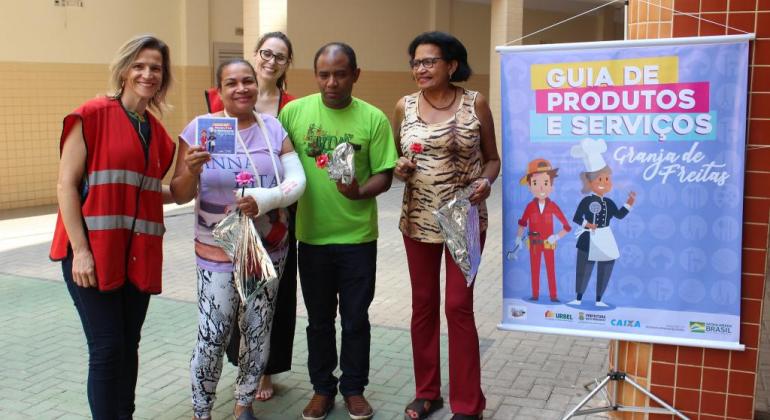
point(267, 55)
point(428, 63)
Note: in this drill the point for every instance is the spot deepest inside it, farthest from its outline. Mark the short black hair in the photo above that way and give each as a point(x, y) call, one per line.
point(224, 64)
point(451, 49)
point(345, 48)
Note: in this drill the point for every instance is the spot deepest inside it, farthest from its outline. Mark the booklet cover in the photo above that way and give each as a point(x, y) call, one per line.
point(216, 134)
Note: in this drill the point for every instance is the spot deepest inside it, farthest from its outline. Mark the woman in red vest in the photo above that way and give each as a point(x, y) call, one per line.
point(272, 57)
point(114, 154)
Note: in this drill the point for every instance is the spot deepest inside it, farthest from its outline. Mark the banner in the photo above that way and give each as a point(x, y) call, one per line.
point(623, 189)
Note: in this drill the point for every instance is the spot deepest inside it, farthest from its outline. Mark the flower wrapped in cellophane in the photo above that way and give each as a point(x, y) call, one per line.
point(458, 220)
point(236, 235)
point(342, 167)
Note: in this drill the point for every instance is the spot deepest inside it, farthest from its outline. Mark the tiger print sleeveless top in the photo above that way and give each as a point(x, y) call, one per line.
point(449, 160)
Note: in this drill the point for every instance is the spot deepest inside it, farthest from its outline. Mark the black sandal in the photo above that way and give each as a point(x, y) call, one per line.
point(467, 416)
point(419, 407)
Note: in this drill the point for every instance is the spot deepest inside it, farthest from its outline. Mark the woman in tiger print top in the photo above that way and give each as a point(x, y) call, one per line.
point(446, 140)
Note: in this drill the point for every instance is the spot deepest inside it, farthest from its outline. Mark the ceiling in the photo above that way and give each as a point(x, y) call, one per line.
point(567, 6)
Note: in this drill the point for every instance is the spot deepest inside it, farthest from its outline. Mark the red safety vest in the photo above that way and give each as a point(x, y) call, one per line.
point(123, 208)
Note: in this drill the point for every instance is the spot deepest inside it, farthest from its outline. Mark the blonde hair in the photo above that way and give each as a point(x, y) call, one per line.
point(126, 56)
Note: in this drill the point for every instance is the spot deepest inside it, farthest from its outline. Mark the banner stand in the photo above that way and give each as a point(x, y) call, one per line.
point(616, 376)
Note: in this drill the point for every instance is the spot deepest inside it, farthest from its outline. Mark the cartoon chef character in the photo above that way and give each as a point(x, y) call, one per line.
point(596, 243)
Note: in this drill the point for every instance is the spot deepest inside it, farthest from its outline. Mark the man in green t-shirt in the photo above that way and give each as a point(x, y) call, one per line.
point(337, 226)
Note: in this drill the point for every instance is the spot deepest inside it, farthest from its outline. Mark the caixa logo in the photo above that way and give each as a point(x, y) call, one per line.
point(628, 323)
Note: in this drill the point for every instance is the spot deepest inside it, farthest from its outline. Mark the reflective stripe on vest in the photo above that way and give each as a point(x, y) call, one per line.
point(124, 222)
point(117, 176)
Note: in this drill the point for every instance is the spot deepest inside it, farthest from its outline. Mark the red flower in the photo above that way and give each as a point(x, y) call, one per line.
point(244, 178)
point(321, 160)
point(416, 148)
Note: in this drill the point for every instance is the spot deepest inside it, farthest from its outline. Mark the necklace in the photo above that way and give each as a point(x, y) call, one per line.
point(140, 121)
point(137, 116)
point(443, 107)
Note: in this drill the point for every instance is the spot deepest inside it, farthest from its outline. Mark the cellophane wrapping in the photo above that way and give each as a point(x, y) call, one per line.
point(341, 165)
point(252, 267)
point(458, 220)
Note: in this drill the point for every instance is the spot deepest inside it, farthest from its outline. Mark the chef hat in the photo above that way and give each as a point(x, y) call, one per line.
point(590, 151)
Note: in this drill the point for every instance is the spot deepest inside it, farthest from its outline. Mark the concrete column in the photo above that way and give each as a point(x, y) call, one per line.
point(260, 16)
point(194, 51)
point(506, 25)
point(440, 15)
point(251, 28)
point(194, 25)
point(273, 15)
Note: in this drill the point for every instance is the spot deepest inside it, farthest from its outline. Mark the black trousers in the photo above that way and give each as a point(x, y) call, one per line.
point(112, 322)
point(329, 272)
point(583, 270)
point(284, 319)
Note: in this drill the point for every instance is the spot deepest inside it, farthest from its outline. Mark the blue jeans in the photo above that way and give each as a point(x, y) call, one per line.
point(112, 323)
point(326, 272)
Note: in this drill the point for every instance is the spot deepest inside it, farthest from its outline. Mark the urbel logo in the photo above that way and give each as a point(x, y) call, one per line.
point(558, 315)
point(697, 327)
point(625, 323)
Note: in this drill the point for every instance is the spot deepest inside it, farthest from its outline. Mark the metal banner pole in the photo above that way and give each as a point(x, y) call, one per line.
point(625, 20)
point(617, 376)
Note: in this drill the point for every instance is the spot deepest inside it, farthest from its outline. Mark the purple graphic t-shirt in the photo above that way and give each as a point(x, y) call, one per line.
point(216, 193)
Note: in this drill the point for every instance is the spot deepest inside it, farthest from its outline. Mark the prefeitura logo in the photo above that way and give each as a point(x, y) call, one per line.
point(593, 318)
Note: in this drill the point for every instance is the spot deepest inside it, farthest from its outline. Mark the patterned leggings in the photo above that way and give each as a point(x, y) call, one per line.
point(217, 302)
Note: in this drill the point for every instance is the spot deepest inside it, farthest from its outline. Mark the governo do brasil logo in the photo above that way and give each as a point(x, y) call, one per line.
point(697, 327)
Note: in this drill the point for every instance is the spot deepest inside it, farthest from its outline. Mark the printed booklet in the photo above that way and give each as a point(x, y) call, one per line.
point(216, 134)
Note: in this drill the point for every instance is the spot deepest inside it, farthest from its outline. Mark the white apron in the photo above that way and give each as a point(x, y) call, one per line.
point(602, 245)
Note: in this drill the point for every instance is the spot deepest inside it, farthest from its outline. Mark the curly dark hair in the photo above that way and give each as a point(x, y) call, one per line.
point(451, 49)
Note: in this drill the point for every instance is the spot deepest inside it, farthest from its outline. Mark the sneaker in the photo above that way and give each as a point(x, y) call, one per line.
point(318, 407)
point(575, 302)
point(358, 407)
point(601, 304)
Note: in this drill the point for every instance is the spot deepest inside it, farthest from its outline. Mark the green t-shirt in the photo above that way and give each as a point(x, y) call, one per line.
point(324, 215)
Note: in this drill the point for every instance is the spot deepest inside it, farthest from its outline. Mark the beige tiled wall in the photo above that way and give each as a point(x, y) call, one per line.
point(34, 99)
point(36, 96)
point(380, 88)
